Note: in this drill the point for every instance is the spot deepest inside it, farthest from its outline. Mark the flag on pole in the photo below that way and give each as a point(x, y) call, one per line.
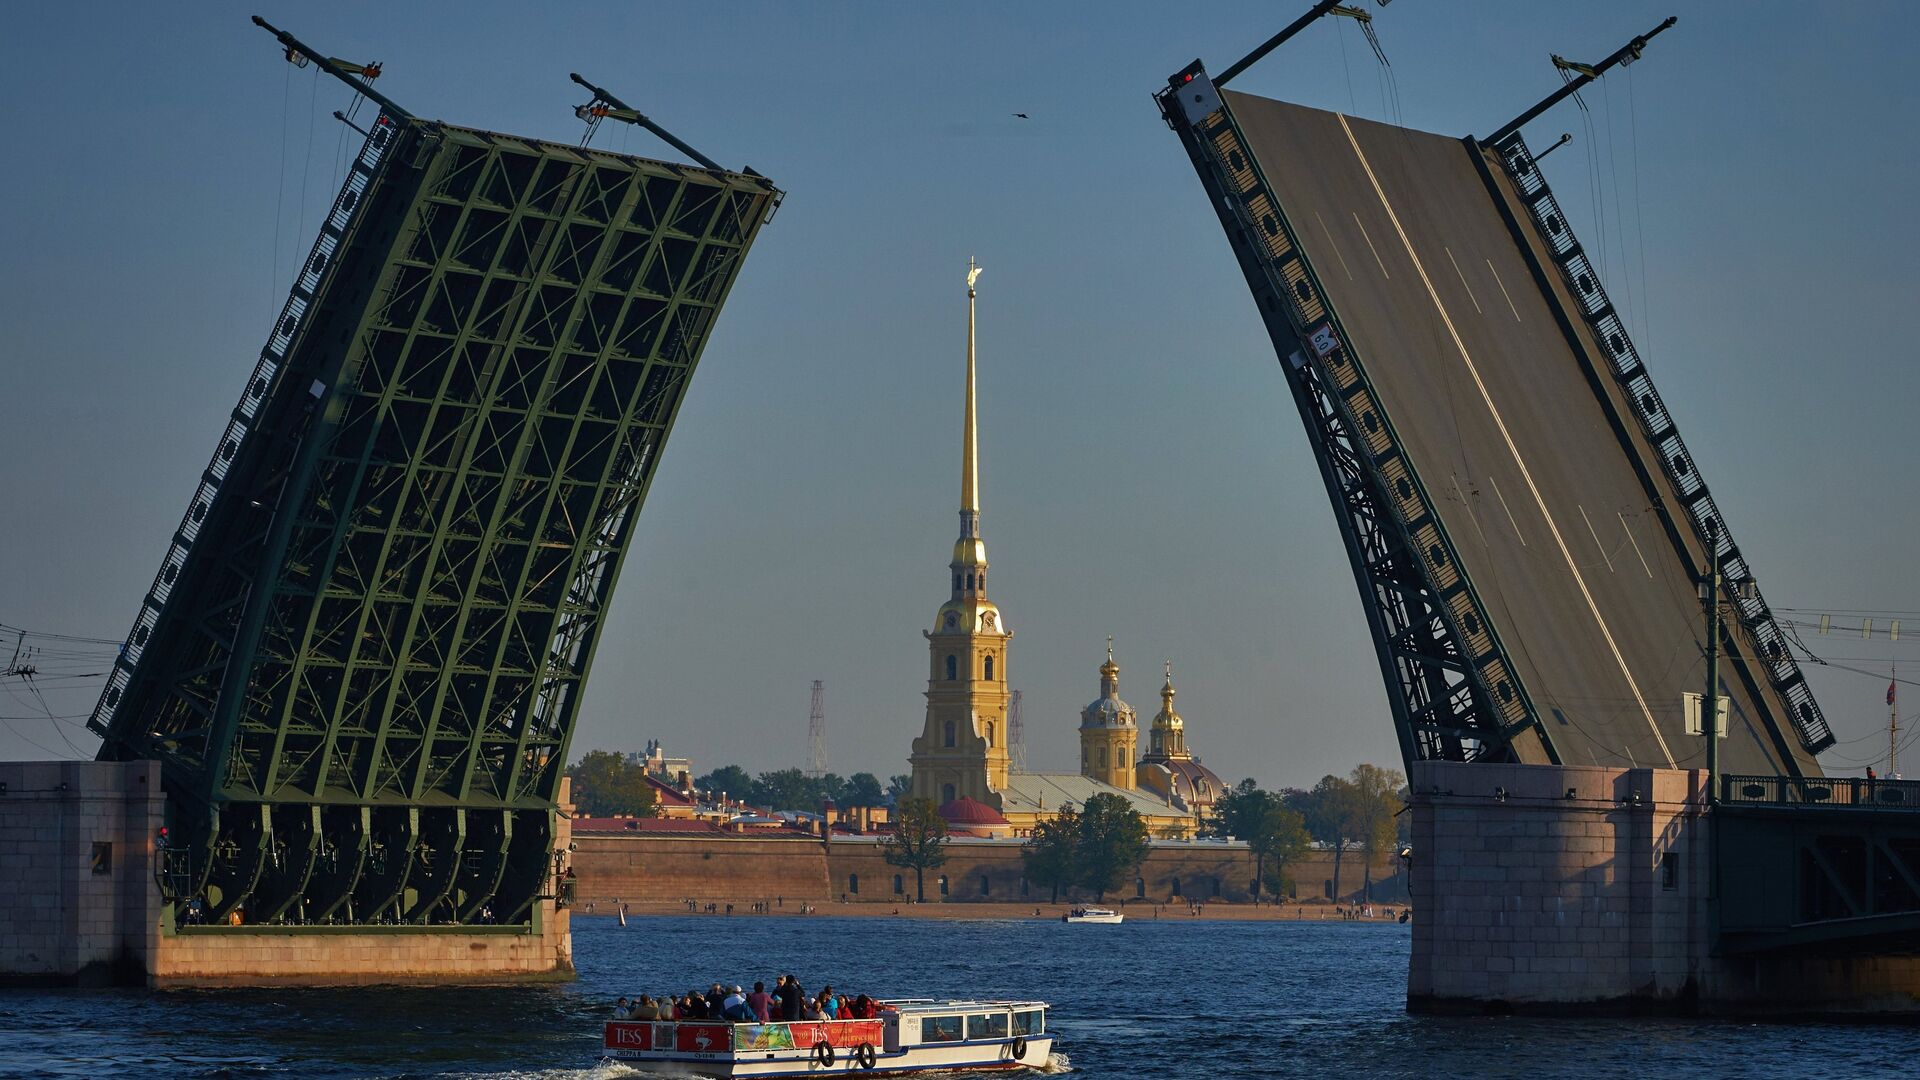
point(1890, 687)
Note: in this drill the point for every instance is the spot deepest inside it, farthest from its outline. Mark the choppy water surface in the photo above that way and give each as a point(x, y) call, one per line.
point(1147, 999)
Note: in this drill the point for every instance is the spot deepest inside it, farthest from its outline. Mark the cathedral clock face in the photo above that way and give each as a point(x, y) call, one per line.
point(953, 620)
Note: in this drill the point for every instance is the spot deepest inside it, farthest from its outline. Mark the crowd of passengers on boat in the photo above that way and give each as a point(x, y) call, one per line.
point(785, 1002)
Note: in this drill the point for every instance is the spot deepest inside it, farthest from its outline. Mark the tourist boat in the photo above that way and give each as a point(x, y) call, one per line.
point(1092, 914)
point(908, 1036)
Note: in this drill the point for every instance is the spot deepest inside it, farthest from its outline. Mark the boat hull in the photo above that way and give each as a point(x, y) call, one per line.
point(801, 1061)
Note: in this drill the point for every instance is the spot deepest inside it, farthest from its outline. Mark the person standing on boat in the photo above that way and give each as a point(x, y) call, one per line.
point(829, 1004)
point(761, 1003)
point(734, 1006)
point(790, 996)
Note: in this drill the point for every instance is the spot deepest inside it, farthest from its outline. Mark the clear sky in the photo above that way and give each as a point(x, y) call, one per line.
point(1144, 471)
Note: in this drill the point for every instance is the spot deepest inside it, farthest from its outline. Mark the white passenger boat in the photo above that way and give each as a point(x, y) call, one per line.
point(908, 1036)
point(1092, 914)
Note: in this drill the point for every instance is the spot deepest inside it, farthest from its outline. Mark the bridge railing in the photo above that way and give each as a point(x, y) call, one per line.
point(241, 421)
point(1856, 792)
point(1768, 643)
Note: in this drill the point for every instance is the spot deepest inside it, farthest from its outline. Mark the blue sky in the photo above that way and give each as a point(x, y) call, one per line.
point(1144, 472)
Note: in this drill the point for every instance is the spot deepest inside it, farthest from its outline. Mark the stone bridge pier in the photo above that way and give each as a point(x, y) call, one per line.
point(1542, 888)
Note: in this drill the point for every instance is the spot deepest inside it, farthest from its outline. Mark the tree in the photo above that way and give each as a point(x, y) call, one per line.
point(731, 779)
point(1113, 842)
point(1051, 853)
point(606, 783)
point(1376, 802)
point(1330, 813)
point(918, 842)
point(863, 789)
point(784, 789)
point(897, 789)
point(1283, 838)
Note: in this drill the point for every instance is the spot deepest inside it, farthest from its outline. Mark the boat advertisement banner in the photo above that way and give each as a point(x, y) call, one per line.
point(839, 1032)
point(628, 1036)
point(702, 1038)
point(802, 1035)
point(763, 1037)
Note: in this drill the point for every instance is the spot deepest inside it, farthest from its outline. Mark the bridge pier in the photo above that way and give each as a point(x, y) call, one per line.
point(1560, 889)
point(81, 905)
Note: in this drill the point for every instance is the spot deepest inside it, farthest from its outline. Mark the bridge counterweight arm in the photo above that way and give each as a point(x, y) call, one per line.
point(334, 67)
point(620, 110)
point(1626, 54)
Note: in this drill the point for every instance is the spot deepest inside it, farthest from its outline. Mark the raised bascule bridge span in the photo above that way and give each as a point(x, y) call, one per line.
point(362, 659)
point(1545, 575)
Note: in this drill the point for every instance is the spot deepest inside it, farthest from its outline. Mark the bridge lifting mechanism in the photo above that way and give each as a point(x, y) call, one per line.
point(1313, 15)
point(605, 106)
point(1583, 74)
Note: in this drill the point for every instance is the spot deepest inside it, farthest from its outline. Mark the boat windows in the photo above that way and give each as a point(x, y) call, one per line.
point(1031, 1022)
point(987, 1026)
point(940, 1029)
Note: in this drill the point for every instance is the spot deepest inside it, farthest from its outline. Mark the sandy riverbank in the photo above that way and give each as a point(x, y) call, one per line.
point(743, 909)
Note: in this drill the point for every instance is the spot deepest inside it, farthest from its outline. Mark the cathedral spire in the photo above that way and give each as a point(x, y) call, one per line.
point(970, 465)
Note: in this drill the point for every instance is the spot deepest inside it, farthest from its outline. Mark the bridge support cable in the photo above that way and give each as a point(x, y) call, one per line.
point(1764, 639)
point(1450, 682)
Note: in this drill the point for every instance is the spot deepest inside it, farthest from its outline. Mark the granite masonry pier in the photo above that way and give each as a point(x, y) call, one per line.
point(1559, 889)
point(81, 905)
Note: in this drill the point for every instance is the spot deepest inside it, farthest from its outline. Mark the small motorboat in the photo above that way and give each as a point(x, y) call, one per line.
point(908, 1036)
point(1092, 914)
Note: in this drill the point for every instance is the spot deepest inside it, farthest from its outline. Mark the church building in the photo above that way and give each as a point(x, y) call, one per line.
point(960, 760)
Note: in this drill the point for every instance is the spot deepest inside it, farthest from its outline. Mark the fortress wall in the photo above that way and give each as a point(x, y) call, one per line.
point(653, 868)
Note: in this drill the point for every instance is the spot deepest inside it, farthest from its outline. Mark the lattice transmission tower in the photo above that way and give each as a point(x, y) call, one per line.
point(817, 733)
point(1016, 735)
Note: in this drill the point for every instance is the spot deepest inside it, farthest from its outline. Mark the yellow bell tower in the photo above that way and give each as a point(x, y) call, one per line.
point(1108, 731)
point(963, 749)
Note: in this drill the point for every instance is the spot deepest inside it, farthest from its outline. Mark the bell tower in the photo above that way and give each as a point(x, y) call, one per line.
point(963, 748)
point(1109, 733)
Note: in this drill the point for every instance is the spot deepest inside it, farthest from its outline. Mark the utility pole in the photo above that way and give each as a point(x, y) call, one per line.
point(817, 734)
point(1893, 726)
point(1710, 703)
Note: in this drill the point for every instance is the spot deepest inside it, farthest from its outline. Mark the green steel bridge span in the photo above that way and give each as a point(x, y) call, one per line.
point(362, 658)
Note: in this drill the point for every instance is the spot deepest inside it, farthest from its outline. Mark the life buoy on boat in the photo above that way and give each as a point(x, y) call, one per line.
point(1019, 1048)
point(864, 1055)
point(823, 1054)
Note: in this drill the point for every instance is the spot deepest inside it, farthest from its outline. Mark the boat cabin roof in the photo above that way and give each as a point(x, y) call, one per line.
point(917, 1006)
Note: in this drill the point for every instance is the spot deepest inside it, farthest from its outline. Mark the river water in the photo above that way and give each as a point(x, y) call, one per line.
point(1168, 998)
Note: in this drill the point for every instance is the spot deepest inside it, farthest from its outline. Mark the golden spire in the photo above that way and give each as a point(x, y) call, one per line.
point(970, 465)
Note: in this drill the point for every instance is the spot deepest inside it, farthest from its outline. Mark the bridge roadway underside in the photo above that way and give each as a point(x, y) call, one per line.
point(1491, 385)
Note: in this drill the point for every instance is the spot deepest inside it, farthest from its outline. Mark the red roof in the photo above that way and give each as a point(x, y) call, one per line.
point(968, 811)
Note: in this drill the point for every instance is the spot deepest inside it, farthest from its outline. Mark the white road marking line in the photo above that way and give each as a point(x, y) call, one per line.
point(1370, 247)
point(1635, 543)
point(1331, 244)
point(1525, 473)
point(1463, 280)
point(1471, 516)
point(1495, 484)
point(1504, 292)
point(1596, 537)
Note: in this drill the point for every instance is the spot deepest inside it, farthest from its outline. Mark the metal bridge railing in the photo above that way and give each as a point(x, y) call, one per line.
point(1820, 791)
point(1769, 644)
point(240, 423)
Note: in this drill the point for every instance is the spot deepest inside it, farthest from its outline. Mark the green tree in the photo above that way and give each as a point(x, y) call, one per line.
point(731, 779)
point(784, 789)
point(918, 842)
point(606, 783)
point(1283, 839)
point(897, 789)
point(1051, 853)
point(1376, 802)
point(1113, 843)
point(863, 789)
point(1330, 811)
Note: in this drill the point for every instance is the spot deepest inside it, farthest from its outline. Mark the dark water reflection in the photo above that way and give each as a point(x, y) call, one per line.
point(1146, 999)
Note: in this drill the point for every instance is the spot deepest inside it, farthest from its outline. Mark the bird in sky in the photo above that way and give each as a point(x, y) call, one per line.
point(1023, 116)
